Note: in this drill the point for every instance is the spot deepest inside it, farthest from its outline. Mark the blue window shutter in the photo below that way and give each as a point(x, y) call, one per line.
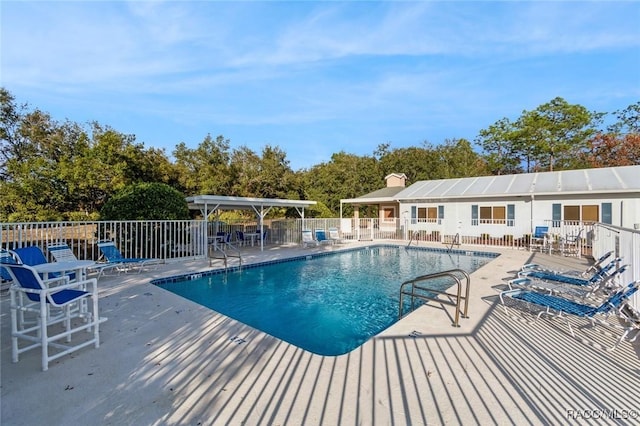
point(607, 214)
point(511, 214)
point(556, 214)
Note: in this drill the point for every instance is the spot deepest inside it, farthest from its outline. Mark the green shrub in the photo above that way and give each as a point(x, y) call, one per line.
point(146, 201)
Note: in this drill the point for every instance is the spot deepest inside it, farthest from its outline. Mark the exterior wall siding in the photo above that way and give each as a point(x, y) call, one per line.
point(529, 213)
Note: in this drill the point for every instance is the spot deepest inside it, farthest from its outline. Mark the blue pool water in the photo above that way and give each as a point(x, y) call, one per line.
point(327, 304)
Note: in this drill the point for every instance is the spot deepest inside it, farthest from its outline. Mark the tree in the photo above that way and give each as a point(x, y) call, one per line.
point(244, 169)
point(106, 161)
point(32, 188)
point(620, 145)
point(204, 170)
point(345, 176)
point(628, 120)
point(553, 136)
point(417, 163)
point(54, 171)
point(146, 201)
point(10, 140)
point(500, 148)
point(610, 150)
point(275, 177)
point(456, 158)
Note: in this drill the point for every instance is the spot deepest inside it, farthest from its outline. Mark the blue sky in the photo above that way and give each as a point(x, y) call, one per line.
point(315, 78)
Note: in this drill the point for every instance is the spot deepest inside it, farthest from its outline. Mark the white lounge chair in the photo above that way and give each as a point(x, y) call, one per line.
point(62, 253)
point(334, 235)
point(307, 239)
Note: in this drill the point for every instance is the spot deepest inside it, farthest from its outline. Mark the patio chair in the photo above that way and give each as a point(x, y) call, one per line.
point(321, 237)
point(126, 264)
point(307, 239)
point(571, 279)
point(596, 267)
point(240, 241)
point(631, 316)
point(61, 252)
point(334, 235)
point(6, 257)
point(539, 238)
point(570, 244)
point(561, 307)
point(58, 313)
point(582, 288)
point(33, 256)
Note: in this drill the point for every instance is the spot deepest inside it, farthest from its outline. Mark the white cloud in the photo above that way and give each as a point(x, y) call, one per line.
point(270, 64)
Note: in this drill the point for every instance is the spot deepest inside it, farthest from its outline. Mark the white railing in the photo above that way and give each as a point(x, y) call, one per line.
point(161, 239)
point(625, 243)
point(174, 240)
point(188, 239)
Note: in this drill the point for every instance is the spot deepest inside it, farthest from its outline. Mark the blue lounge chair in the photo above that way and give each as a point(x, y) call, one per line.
point(114, 257)
point(596, 267)
point(33, 256)
point(561, 307)
point(570, 279)
point(33, 296)
point(321, 237)
point(577, 287)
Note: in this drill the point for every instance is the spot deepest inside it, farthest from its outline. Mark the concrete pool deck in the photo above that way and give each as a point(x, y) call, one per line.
point(166, 360)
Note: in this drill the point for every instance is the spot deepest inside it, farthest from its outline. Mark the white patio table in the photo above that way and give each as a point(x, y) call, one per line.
point(77, 266)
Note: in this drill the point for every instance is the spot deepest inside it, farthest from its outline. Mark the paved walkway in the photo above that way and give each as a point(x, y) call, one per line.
point(165, 360)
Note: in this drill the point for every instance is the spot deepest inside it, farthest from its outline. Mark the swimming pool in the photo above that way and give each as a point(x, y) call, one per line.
point(329, 303)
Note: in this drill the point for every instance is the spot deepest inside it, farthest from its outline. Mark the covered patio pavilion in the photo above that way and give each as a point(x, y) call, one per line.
point(208, 204)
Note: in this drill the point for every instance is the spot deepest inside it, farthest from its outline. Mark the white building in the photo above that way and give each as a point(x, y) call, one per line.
point(511, 205)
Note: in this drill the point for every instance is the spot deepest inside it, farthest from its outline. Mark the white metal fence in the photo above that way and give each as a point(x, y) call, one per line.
point(181, 239)
point(162, 239)
point(625, 243)
point(174, 240)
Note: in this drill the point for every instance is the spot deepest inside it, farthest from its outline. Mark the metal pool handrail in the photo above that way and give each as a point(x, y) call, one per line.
point(225, 256)
point(418, 292)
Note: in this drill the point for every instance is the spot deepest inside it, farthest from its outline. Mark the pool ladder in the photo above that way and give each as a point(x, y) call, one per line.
point(225, 257)
point(414, 234)
point(454, 242)
point(417, 289)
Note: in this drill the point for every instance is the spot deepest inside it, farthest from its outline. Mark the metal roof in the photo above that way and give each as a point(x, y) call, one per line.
point(624, 179)
point(209, 203)
point(380, 195)
point(261, 206)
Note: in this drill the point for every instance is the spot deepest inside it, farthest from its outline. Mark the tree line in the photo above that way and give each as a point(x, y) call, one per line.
point(61, 170)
